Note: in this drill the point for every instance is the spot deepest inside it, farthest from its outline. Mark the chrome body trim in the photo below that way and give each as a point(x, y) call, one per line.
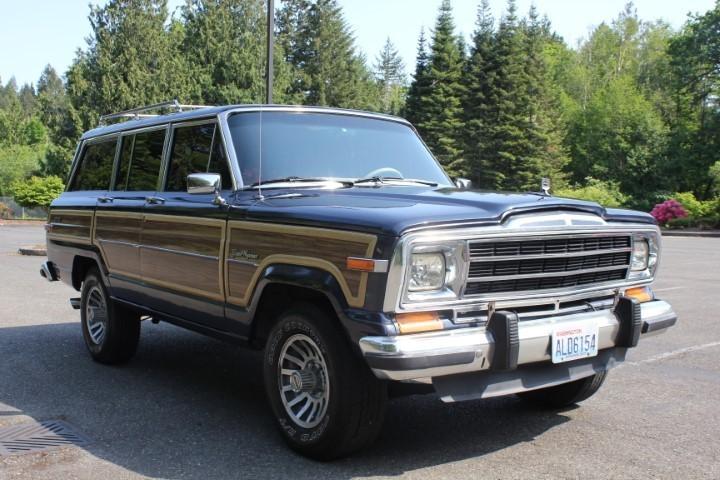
point(498, 278)
point(503, 258)
point(534, 338)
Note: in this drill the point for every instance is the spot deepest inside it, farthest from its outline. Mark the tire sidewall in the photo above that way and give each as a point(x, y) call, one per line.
point(291, 324)
point(91, 281)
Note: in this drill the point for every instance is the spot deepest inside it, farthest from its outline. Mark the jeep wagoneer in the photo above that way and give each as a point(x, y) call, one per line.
point(333, 241)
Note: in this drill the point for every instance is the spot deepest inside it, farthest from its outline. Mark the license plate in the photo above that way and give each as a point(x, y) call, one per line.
point(573, 341)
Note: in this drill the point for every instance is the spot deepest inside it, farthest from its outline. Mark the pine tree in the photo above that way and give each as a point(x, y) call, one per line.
point(133, 58)
point(390, 75)
point(420, 87)
point(442, 108)
point(328, 69)
point(225, 75)
point(479, 79)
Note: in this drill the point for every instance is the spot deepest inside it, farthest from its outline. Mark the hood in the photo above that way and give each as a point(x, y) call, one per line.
point(393, 210)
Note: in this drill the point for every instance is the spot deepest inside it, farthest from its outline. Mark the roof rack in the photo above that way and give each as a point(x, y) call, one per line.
point(141, 112)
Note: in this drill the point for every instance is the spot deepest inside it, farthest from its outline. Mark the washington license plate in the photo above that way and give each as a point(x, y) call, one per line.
point(573, 341)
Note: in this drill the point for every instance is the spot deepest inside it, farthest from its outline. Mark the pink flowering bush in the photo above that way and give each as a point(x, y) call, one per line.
point(668, 210)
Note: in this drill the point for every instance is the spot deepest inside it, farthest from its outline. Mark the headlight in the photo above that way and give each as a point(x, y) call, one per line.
point(427, 272)
point(644, 256)
point(640, 254)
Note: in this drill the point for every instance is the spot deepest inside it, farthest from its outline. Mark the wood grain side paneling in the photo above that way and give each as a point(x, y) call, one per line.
point(70, 225)
point(183, 254)
point(313, 247)
point(117, 234)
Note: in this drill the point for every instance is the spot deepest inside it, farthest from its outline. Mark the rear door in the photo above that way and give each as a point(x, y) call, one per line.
point(119, 217)
point(183, 235)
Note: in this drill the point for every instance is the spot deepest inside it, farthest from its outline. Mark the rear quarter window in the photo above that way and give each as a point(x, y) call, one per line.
point(95, 167)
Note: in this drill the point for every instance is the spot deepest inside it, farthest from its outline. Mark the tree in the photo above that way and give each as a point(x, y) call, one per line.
point(61, 120)
point(133, 58)
point(441, 110)
point(225, 75)
point(328, 70)
point(37, 191)
point(419, 90)
point(390, 75)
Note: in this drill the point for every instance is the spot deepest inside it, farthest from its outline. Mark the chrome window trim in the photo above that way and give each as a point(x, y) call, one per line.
point(230, 148)
point(78, 157)
point(395, 300)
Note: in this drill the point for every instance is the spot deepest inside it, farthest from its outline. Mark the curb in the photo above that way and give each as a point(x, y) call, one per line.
point(33, 251)
point(680, 233)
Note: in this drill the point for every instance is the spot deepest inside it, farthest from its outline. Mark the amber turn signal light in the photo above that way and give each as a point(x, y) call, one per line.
point(361, 264)
point(641, 294)
point(418, 322)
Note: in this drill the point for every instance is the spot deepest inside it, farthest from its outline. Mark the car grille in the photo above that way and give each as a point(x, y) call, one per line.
point(546, 263)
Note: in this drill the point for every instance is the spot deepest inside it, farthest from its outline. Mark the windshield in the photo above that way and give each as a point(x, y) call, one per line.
point(322, 145)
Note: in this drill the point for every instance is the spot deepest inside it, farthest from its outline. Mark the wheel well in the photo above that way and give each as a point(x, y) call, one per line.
point(275, 299)
point(80, 267)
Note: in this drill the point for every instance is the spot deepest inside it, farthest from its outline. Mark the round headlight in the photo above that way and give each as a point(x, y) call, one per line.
point(640, 254)
point(427, 272)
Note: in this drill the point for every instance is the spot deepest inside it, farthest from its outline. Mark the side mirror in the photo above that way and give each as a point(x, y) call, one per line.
point(205, 184)
point(463, 183)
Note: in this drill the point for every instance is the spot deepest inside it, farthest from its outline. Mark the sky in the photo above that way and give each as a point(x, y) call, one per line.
point(34, 33)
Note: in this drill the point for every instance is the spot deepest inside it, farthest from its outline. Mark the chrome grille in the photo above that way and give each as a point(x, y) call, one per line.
point(546, 263)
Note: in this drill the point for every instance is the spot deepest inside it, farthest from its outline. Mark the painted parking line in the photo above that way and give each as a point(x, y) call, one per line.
point(674, 353)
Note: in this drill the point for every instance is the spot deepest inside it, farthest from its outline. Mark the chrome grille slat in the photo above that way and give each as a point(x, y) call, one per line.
point(561, 261)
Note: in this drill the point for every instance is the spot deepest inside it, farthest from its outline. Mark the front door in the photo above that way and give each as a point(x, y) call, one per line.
point(183, 235)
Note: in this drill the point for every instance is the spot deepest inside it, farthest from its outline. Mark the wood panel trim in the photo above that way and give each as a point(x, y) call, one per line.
point(65, 237)
point(314, 232)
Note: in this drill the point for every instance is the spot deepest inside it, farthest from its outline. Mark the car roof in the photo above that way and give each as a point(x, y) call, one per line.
point(209, 112)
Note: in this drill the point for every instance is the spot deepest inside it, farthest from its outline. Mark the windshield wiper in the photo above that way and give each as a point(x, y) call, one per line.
point(394, 180)
point(293, 179)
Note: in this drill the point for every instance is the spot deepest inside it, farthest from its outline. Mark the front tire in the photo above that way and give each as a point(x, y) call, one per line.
point(327, 402)
point(111, 331)
point(567, 394)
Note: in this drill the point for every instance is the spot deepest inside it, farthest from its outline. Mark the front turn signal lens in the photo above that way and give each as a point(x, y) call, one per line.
point(641, 294)
point(418, 322)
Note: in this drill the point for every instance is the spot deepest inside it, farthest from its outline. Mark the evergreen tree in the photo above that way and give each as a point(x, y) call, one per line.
point(442, 108)
point(390, 75)
point(230, 75)
point(328, 70)
point(133, 58)
point(419, 90)
point(478, 79)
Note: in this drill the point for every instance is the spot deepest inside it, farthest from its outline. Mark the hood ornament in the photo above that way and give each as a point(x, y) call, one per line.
point(545, 186)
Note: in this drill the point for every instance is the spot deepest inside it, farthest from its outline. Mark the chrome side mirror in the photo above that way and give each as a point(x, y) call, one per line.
point(463, 183)
point(206, 184)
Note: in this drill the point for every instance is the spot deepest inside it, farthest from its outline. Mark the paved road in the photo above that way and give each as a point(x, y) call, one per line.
point(191, 407)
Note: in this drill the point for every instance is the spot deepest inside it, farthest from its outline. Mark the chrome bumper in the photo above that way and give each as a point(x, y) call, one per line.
point(437, 354)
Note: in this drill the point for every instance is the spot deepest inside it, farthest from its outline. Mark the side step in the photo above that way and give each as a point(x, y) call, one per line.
point(75, 303)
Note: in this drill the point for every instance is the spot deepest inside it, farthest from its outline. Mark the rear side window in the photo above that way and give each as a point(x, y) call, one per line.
point(95, 168)
point(126, 148)
point(196, 149)
point(145, 160)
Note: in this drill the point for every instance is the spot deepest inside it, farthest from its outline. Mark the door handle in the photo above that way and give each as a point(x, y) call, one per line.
point(105, 199)
point(155, 200)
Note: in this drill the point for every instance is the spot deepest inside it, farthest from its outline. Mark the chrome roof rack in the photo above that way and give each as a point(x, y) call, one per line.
point(141, 112)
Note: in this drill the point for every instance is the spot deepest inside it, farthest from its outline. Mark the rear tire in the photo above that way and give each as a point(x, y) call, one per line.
point(567, 394)
point(326, 400)
point(111, 330)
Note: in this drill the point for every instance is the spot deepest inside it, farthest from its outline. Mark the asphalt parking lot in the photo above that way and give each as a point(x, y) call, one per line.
point(191, 407)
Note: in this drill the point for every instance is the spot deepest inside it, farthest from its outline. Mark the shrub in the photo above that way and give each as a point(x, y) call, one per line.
point(5, 212)
point(37, 191)
point(607, 193)
point(694, 207)
point(668, 210)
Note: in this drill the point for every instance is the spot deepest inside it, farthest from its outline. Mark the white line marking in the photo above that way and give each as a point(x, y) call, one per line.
point(667, 289)
point(674, 353)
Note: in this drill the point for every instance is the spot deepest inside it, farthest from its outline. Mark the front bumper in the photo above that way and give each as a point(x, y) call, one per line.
point(463, 350)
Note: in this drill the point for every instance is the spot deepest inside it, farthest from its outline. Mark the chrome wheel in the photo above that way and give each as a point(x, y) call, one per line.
point(303, 381)
point(96, 315)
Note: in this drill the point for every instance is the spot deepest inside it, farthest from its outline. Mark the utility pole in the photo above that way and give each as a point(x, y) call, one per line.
point(270, 49)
